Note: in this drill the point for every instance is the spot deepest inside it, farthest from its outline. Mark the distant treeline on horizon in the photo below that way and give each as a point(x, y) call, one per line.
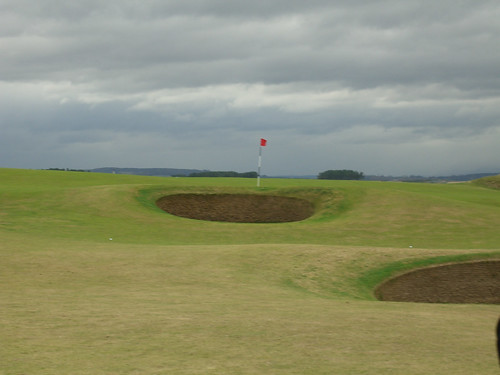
point(176, 172)
point(223, 174)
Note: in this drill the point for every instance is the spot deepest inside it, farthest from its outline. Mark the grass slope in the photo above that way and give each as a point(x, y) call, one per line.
point(179, 296)
point(96, 207)
point(492, 182)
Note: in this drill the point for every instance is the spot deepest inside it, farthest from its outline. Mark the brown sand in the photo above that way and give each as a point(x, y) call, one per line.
point(237, 208)
point(470, 282)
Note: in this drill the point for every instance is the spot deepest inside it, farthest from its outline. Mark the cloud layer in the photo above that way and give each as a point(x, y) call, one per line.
point(384, 87)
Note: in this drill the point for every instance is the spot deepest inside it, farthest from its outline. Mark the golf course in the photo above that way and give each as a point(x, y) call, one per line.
point(98, 277)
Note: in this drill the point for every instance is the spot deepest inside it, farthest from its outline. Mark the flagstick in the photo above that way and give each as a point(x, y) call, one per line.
point(260, 164)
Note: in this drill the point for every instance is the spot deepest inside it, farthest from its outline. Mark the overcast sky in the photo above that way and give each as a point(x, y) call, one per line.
point(382, 87)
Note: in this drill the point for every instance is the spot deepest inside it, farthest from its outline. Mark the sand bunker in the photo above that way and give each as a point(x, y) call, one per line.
point(471, 282)
point(237, 208)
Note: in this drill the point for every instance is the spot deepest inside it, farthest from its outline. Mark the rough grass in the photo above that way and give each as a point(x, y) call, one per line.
point(492, 182)
point(173, 295)
point(124, 309)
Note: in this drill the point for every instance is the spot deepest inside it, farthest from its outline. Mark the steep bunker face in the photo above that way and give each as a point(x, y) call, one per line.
point(237, 208)
point(471, 282)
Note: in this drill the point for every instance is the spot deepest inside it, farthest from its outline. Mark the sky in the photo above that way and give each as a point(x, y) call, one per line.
point(382, 87)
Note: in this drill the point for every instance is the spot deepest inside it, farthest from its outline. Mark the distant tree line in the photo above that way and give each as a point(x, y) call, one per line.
point(67, 170)
point(340, 174)
point(223, 174)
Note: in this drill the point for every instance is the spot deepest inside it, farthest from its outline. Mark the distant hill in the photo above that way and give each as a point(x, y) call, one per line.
point(159, 172)
point(453, 178)
point(168, 172)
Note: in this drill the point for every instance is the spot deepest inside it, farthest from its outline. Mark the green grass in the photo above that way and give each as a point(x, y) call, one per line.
point(96, 207)
point(176, 296)
point(492, 182)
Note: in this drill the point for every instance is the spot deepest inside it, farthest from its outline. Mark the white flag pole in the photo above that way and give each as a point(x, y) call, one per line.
point(260, 164)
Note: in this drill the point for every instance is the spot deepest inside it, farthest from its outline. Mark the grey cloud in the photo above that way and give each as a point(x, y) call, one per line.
point(358, 46)
point(93, 76)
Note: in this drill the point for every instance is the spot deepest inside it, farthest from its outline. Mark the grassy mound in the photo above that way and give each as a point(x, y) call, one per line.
point(492, 182)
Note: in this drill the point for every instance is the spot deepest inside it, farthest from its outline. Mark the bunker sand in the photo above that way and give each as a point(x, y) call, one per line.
point(237, 208)
point(470, 282)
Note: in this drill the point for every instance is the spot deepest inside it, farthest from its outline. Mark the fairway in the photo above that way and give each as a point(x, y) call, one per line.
point(95, 278)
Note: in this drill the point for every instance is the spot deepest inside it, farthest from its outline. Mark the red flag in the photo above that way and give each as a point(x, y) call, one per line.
point(263, 142)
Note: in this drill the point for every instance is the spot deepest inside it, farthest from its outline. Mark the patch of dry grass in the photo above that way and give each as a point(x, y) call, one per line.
point(246, 309)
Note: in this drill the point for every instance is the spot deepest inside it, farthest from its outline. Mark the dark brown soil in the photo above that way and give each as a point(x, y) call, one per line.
point(471, 282)
point(237, 208)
